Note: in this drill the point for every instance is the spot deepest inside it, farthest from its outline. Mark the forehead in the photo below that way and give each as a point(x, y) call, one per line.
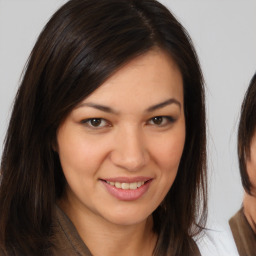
point(148, 78)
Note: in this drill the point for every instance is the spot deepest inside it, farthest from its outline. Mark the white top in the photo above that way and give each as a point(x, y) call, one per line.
point(217, 241)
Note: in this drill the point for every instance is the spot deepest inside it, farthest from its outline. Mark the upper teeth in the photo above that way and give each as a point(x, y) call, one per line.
point(133, 185)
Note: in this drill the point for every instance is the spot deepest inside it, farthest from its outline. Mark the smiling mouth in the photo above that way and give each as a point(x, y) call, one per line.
point(132, 186)
point(127, 189)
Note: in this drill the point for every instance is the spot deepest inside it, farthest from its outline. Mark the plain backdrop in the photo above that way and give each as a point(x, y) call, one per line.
point(224, 35)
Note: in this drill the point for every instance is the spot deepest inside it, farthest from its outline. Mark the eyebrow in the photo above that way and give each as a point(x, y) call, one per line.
point(99, 107)
point(163, 104)
point(112, 111)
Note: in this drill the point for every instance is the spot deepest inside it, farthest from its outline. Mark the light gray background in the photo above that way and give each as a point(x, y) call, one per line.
point(224, 35)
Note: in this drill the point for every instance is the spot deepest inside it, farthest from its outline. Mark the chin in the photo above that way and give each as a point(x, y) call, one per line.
point(127, 218)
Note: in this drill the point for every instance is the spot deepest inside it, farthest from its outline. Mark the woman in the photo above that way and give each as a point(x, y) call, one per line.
point(105, 150)
point(243, 223)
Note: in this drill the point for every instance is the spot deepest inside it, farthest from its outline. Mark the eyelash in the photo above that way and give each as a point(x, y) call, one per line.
point(165, 120)
point(88, 122)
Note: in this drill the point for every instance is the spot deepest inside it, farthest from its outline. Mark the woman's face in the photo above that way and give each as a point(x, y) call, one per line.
point(120, 148)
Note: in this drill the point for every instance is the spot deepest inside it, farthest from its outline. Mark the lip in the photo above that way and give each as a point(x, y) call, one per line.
point(127, 194)
point(128, 179)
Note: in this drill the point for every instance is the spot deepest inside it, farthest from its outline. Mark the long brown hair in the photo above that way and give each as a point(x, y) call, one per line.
point(80, 47)
point(246, 131)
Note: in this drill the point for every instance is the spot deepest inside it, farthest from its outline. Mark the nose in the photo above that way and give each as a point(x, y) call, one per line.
point(130, 150)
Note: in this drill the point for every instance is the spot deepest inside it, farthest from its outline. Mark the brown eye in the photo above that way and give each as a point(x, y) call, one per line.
point(96, 122)
point(161, 121)
point(157, 120)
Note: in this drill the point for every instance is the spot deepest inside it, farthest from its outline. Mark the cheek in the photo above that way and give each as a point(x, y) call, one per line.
point(75, 155)
point(251, 169)
point(73, 144)
point(168, 151)
point(167, 155)
point(251, 163)
point(80, 157)
point(172, 151)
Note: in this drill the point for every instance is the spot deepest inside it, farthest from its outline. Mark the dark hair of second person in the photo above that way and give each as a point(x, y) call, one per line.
point(242, 224)
point(246, 131)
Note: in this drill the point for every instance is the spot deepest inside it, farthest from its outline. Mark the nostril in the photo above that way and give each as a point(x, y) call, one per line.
point(129, 153)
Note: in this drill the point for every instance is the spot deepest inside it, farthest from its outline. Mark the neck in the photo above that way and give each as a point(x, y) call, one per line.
point(104, 238)
point(249, 204)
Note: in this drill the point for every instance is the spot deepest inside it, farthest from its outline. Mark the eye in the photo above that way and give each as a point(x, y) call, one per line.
point(95, 122)
point(161, 120)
